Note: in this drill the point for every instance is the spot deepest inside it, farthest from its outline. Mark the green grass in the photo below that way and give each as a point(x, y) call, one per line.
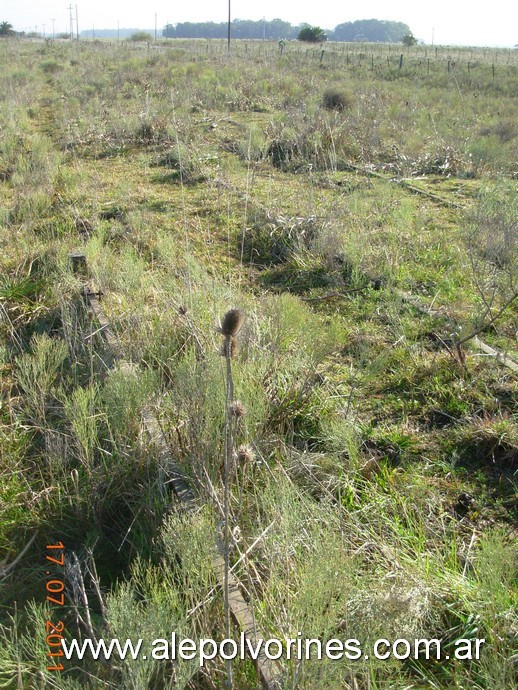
point(383, 490)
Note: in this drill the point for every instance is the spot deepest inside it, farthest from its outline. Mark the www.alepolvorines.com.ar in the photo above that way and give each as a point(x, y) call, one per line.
point(299, 648)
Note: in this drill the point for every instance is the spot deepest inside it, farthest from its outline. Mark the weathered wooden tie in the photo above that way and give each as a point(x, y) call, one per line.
point(243, 615)
point(175, 476)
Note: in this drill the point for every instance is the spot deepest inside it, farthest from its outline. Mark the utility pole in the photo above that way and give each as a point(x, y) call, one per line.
point(264, 28)
point(228, 36)
point(44, 35)
point(53, 28)
point(71, 23)
point(118, 31)
point(77, 26)
point(155, 27)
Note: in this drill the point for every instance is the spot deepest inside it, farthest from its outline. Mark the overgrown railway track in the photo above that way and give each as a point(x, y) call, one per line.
point(242, 612)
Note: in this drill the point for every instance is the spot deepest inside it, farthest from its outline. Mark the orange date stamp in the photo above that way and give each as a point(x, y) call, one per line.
point(55, 595)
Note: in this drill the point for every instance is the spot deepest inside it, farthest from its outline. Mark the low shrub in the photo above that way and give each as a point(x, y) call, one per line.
point(140, 36)
point(336, 100)
point(275, 240)
point(50, 66)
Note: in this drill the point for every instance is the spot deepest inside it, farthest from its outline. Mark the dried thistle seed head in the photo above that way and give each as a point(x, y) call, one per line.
point(230, 347)
point(237, 409)
point(182, 310)
point(232, 322)
point(245, 454)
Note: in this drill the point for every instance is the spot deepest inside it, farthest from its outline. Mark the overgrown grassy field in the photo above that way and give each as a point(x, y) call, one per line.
point(373, 494)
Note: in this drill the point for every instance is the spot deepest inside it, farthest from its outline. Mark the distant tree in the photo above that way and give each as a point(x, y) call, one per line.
point(371, 30)
point(312, 34)
point(140, 36)
point(6, 29)
point(409, 40)
point(277, 28)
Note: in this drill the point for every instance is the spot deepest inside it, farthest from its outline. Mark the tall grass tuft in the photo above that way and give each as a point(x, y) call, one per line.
point(37, 374)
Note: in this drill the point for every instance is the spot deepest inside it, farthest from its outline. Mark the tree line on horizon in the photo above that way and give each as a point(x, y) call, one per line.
point(362, 30)
point(368, 30)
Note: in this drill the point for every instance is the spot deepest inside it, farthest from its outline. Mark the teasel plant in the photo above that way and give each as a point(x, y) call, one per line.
point(229, 329)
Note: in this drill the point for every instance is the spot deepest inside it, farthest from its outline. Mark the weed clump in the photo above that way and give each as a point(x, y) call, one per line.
point(182, 165)
point(151, 132)
point(50, 66)
point(317, 140)
point(281, 151)
point(275, 240)
point(140, 36)
point(336, 100)
point(446, 161)
point(491, 233)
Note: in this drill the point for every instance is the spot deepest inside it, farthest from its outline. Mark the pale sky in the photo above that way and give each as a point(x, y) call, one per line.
point(449, 22)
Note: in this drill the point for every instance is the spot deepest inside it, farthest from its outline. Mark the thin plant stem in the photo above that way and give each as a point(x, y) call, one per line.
point(229, 444)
